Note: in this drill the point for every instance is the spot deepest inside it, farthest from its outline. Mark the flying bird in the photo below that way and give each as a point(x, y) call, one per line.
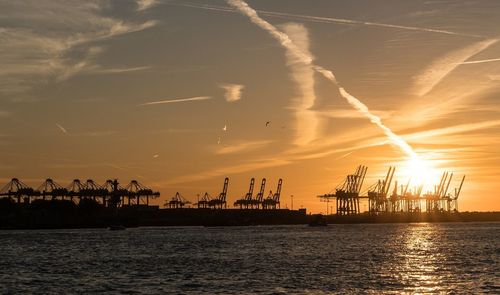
point(156, 156)
point(267, 123)
point(225, 128)
point(63, 130)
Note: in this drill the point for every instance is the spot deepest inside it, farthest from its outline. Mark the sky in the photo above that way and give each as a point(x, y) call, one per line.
point(180, 94)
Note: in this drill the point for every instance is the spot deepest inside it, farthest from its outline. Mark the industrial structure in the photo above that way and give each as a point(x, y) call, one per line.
point(177, 201)
point(215, 203)
point(346, 195)
point(273, 200)
point(402, 199)
point(110, 194)
point(249, 201)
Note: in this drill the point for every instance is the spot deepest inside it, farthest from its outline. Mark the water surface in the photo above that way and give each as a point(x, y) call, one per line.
point(369, 258)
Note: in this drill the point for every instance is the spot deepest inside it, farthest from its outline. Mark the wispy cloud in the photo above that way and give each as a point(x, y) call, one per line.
point(233, 169)
point(331, 20)
point(306, 120)
point(233, 92)
point(351, 114)
point(121, 70)
point(479, 61)
point(240, 147)
point(303, 57)
point(286, 158)
point(33, 52)
point(63, 130)
point(441, 67)
point(461, 128)
point(97, 133)
point(196, 98)
point(145, 4)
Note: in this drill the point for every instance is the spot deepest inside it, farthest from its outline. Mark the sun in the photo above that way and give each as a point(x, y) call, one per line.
point(420, 171)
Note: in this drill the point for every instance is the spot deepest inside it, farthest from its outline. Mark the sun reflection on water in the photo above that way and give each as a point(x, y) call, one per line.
point(421, 267)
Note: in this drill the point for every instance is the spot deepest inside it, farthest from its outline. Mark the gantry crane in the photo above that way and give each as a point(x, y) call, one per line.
point(377, 194)
point(273, 200)
point(246, 200)
point(139, 192)
point(50, 188)
point(220, 201)
point(204, 201)
point(347, 194)
point(178, 201)
point(18, 190)
point(256, 202)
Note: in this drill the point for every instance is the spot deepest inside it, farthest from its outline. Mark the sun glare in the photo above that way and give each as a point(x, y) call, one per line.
point(420, 171)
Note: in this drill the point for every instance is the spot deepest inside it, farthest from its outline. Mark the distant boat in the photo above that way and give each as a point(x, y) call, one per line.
point(117, 227)
point(318, 220)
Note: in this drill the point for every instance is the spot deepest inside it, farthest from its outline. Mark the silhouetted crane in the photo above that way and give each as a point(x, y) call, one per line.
point(347, 194)
point(377, 194)
point(52, 189)
point(273, 200)
point(17, 189)
point(220, 201)
point(178, 201)
point(246, 200)
point(140, 192)
point(204, 201)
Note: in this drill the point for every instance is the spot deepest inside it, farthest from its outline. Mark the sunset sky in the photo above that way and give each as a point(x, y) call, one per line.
point(177, 94)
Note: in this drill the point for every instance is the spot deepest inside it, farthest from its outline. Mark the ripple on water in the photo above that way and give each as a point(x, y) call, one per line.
point(370, 258)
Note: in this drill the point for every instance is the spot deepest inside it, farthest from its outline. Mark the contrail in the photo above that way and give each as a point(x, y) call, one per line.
point(196, 98)
point(287, 43)
point(479, 61)
point(344, 155)
point(330, 20)
point(122, 70)
point(443, 66)
point(63, 130)
point(320, 19)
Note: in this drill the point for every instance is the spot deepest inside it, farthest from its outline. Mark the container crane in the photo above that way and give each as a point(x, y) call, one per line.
point(273, 200)
point(246, 200)
point(178, 201)
point(220, 201)
point(347, 194)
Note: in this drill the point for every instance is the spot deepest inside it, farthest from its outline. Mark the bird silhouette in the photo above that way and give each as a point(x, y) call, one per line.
point(267, 123)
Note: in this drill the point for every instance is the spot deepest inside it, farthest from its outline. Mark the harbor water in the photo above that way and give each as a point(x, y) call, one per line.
point(338, 259)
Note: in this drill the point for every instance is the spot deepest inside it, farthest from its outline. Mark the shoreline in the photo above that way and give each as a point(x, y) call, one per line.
point(57, 215)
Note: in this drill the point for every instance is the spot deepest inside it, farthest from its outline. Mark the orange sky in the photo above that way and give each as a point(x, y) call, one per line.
point(177, 94)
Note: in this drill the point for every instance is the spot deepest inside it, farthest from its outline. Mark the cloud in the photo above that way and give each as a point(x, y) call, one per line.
point(33, 52)
point(351, 114)
point(441, 67)
point(461, 128)
point(196, 98)
point(223, 171)
point(121, 70)
point(306, 120)
point(97, 133)
point(233, 92)
point(242, 147)
point(307, 59)
point(145, 4)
